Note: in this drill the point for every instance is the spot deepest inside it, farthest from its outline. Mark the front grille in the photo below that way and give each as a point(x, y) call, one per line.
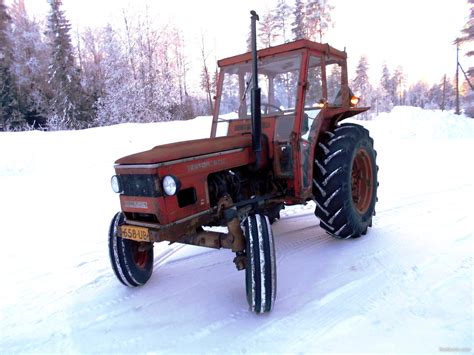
point(140, 185)
point(141, 217)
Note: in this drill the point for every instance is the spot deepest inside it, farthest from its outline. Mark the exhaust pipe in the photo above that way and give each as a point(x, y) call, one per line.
point(255, 96)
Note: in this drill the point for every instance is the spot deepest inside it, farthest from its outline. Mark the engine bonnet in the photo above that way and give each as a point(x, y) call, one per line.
point(186, 149)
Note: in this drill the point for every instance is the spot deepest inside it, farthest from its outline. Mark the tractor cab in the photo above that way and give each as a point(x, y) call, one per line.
point(303, 86)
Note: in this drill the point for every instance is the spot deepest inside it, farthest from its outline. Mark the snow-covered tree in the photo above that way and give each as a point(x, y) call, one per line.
point(435, 98)
point(266, 32)
point(9, 114)
point(333, 81)
point(117, 104)
point(317, 19)
point(398, 82)
point(418, 95)
point(441, 95)
point(468, 34)
point(156, 70)
point(141, 74)
point(281, 17)
point(384, 91)
point(449, 94)
point(206, 78)
point(298, 25)
point(90, 60)
point(181, 63)
point(30, 66)
point(206, 86)
point(468, 38)
point(361, 83)
point(67, 102)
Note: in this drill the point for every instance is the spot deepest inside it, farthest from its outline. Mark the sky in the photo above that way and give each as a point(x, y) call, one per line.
point(414, 34)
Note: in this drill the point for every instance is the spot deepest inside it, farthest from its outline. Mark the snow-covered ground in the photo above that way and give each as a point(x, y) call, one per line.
point(407, 286)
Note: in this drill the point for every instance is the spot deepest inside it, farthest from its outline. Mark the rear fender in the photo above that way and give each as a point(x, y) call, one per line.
point(330, 117)
point(326, 121)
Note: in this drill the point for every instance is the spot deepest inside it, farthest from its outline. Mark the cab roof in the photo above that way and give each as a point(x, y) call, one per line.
point(322, 48)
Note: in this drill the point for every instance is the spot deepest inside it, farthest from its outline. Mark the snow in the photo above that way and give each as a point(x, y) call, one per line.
point(407, 286)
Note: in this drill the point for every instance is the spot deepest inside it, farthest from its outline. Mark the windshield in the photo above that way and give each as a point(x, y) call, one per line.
point(278, 80)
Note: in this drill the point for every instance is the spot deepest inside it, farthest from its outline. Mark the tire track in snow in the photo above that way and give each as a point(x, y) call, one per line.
point(166, 254)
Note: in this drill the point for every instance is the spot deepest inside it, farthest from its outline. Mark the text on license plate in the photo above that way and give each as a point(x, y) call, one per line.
point(135, 233)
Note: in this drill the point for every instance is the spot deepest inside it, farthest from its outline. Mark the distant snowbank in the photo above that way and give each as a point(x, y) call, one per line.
point(37, 151)
point(415, 122)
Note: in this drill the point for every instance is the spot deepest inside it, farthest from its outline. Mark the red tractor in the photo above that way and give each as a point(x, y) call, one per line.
point(276, 140)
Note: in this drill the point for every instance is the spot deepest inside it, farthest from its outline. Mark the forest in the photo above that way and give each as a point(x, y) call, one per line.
point(54, 79)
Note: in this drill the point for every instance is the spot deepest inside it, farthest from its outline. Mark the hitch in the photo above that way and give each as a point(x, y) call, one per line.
point(237, 238)
point(229, 211)
point(234, 239)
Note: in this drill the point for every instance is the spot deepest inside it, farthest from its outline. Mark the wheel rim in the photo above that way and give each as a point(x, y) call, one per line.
point(362, 181)
point(140, 258)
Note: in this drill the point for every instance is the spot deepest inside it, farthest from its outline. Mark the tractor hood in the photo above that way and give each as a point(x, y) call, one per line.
point(187, 149)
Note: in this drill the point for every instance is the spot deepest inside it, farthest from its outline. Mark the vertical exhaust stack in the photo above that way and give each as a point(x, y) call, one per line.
point(255, 96)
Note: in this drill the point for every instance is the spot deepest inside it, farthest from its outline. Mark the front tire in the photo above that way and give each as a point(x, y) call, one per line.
point(260, 274)
point(345, 181)
point(131, 261)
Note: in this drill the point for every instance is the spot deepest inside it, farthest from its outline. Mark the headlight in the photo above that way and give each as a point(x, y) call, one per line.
point(171, 185)
point(354, 100)
point(115, 184)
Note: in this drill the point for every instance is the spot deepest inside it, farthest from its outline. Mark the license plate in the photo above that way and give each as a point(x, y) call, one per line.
point(135, 233)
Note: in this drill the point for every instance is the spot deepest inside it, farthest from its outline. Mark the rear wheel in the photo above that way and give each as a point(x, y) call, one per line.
point(131, 261)
point(260, 274)
point(345, 181)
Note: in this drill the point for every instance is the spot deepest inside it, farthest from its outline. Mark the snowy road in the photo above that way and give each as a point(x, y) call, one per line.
point(404, 287)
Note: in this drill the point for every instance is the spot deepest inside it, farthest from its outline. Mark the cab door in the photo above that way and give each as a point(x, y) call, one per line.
point(321, 93)
point(313, 98)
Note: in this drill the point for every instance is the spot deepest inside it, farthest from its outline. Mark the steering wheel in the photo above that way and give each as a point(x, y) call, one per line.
point(267, 106)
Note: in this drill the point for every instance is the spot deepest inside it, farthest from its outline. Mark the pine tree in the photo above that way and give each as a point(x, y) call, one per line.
point(298, 26)
point(440, 96)
point(333, 82)
point(450, 95)
point(266, 32)
point(468, 32)
point(67, 103)
point(468, 37)
point(384, 97)
point(435, 98)
point(317, 19)
point(398, 80)
point(418, 95)
point(9, 115)
point(325, 18)
point(361, 84)
point(281, 16)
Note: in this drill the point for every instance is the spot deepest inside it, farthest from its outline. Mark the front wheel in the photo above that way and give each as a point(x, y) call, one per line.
point(345, 181)
point(260, 275)
point(131, 261)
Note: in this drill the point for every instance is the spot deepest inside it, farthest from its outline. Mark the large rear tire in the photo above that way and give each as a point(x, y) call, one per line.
point(345, 181)
point(131, 261)
point(260, 274)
